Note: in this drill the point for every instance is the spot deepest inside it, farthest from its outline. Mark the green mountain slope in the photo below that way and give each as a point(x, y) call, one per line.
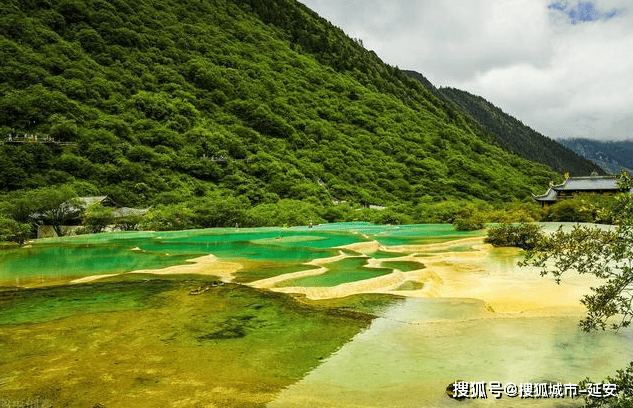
point(611, 156)
point(167, 101)
point(512, 133)
point(520, 138)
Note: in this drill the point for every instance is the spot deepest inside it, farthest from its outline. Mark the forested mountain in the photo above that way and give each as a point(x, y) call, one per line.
point(512, 133)
point(612, 156)
point(167, 101)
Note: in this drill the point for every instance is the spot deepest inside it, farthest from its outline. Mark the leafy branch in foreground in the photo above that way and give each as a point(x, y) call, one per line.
point(608, 255)
point(624, 383)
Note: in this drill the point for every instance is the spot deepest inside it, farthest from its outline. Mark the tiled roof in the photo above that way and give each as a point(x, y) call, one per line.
point(126, 212)
point(589, 184)
point(549, 196)
point(88, 201)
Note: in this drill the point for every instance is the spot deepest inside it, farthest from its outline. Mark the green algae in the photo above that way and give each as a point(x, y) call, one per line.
point(346, 270)
point(410, 285)
point(44, 304)
point(403, 266)
point(230, 346)
point(386, 254)
point(372, 303)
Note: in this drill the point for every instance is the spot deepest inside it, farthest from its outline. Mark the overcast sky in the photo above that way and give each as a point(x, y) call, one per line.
point(564, 68)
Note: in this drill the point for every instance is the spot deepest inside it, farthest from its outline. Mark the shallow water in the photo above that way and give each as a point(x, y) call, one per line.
point(407, 357)
point(76, 257)
point(346, 270)
point(489, 321)
point(45, 304)
point(404, 266)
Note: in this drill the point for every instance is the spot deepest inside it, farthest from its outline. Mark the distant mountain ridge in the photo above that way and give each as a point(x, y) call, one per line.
point(512, 133)
point(611, 156)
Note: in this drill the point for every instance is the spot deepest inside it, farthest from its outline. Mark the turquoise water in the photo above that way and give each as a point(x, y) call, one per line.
point(278, 250)
point(415, 234)
point(74, 257)
point(65, 260)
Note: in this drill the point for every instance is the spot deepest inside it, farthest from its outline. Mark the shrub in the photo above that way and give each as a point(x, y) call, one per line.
point(285, 212)
point(97, 218)
point(13, 231)
point(168, 218)
point(585, 208)
point(525, 236)
point(468, 223)
point(391, 217)
point(129, 223)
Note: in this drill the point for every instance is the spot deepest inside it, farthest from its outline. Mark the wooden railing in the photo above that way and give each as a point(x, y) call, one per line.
point(26, 138)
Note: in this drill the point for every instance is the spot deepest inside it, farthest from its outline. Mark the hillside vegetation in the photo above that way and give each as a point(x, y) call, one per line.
point(612, 156)
point(512, 133)
point(249, 102)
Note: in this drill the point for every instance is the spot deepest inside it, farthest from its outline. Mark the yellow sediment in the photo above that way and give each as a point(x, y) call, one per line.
point(272, 281)
point(93, 278)
point(362, 247)
point(454, 275)
point(472, 274)
point(208, 265)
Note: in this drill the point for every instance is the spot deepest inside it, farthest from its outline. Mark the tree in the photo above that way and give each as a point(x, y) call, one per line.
point(129, 223)
point(98, 217)
point(57, 207)
point(608, 255)
point(13, 231)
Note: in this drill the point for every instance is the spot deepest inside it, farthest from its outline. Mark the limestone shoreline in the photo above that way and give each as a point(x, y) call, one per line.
point(473, 273)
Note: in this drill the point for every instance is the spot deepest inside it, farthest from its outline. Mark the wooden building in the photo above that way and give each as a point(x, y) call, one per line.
point(75, 210)
point(575, 186)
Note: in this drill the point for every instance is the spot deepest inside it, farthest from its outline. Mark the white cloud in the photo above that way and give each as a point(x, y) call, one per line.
point(560, 78)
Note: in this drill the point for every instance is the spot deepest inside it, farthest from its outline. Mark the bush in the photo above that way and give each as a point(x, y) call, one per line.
point(391, 217)
point(586, 208)
point(468, 223)
point(525, 236)
point(129, 223)
point(168, 218)
point(285, 212)
point(13, 231)
point(219, 210)
point(97, 218)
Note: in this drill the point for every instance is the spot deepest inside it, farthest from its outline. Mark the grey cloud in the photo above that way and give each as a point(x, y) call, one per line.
point(561, 79)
